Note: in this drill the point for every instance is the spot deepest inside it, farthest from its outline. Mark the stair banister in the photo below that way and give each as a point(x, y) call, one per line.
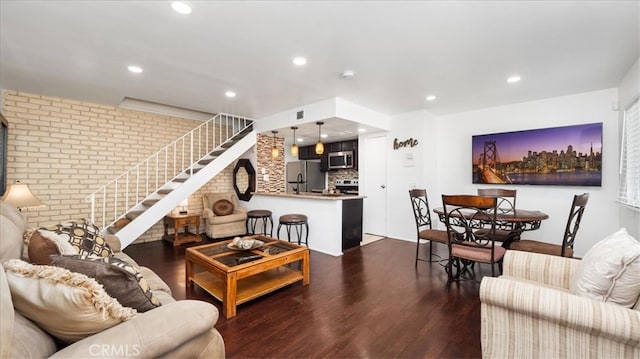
point(117, 193)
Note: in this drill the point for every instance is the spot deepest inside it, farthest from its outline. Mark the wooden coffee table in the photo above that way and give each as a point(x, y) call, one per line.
point(233, 277)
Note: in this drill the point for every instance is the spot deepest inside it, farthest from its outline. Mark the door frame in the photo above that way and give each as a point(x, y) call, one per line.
point(368, 160)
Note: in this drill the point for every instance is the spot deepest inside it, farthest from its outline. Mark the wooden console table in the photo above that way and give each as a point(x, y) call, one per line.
point(178, 221)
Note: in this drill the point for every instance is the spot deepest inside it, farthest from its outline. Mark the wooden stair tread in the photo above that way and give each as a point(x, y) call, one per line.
point(206, 161)
point(165, 191)
point(150, 202)
point(134, 214)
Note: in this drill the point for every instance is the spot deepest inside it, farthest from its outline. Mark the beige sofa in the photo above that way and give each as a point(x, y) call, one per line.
point(220, 226)
point(176, 329)
point(528, 312)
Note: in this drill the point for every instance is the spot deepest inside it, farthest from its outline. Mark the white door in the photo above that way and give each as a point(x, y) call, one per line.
point(375, 177)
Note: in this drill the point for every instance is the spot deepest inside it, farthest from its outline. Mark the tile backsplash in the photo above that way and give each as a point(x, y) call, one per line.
point(347, 173)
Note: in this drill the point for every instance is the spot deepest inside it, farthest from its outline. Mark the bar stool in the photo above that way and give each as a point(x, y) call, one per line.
point(254, 216)
point(297, 221)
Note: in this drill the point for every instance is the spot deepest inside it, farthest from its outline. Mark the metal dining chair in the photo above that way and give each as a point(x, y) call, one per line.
point(465, 215)
point(424, 229)
point(506, 204)
point(566, 248)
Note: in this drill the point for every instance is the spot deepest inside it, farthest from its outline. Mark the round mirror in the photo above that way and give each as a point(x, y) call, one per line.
point(244, 179)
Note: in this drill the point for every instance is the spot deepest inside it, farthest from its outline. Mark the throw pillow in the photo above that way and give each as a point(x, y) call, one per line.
point(69, 306)
point(223, 207)
point(610, 271)
point(43, 243)
point(84, 236)
point(120, 279)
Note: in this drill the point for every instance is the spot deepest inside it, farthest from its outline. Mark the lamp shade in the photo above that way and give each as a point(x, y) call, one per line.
point(294, 147)
point(19, 195)
point(319, 145)
point(274, 150)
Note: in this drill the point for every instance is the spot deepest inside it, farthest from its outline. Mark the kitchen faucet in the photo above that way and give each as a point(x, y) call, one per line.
point(298, 183)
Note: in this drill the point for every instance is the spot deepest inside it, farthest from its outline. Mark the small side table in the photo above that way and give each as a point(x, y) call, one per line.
point(178, 221)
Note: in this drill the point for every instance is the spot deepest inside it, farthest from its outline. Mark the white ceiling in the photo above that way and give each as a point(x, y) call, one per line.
point(462, 52)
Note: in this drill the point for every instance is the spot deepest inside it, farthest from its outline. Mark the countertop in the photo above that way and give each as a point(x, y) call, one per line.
point(311, 195)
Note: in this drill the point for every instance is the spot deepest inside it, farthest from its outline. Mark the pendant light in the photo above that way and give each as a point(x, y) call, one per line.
point(274, 149)
point(294, 147)
point(319, 144)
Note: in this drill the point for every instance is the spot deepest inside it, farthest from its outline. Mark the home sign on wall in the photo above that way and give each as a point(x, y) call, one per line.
point(411, 142)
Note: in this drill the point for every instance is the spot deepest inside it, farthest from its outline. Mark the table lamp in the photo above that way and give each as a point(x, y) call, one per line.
point(19, 195)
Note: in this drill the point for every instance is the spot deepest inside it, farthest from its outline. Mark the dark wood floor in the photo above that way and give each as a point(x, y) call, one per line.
point(369, 303)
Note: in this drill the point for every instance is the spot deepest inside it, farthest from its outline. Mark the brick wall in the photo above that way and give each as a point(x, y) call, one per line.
point(274, 167)
point(66, 149)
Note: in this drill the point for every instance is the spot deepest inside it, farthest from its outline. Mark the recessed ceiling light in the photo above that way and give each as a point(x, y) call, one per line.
point(347, 74)
point(300, 139)
point(431, 98)
point(181, 7)
point(362, 130)
point(135, 69)
point(513, 79)
point(230, 94)
point(324, 135)
point(299, 61)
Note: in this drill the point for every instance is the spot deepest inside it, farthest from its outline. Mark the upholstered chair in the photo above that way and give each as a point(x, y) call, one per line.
point(223, 217)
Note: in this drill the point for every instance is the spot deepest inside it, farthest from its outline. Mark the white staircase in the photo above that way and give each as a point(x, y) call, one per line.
point(134, 201)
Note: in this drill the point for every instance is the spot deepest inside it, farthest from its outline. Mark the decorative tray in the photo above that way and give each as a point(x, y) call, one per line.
point(238, 245)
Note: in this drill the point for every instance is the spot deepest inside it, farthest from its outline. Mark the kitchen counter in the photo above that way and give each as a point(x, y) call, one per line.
point(335, 221)
point(313, 195)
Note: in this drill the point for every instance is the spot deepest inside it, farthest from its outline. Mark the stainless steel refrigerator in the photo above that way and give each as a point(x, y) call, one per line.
point(305, 174)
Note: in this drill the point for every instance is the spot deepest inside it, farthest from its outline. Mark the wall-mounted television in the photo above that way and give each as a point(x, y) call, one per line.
point(562, 156)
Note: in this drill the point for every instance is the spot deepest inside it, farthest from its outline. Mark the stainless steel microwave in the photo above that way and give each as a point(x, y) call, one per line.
point(339, 160)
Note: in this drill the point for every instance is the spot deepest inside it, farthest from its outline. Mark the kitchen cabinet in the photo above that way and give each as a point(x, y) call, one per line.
point(334, 147)
point(351, 223)
point(308, 153)
point(350, 146)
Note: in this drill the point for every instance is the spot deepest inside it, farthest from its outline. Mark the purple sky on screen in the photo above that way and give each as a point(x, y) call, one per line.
point(512, 146)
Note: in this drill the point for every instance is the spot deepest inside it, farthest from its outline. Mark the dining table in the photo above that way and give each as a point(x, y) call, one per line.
point(516, 221)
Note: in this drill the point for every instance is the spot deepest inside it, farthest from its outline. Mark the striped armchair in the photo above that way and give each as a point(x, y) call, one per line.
point(528, 312)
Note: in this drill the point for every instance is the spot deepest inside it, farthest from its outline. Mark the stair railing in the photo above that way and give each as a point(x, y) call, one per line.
point(113, 200)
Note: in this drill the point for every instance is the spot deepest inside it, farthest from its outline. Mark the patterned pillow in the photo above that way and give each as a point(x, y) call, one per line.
point(120, 279)
point(84, 236)
point(69, 306)
point(223, 207)
point(43, 243)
